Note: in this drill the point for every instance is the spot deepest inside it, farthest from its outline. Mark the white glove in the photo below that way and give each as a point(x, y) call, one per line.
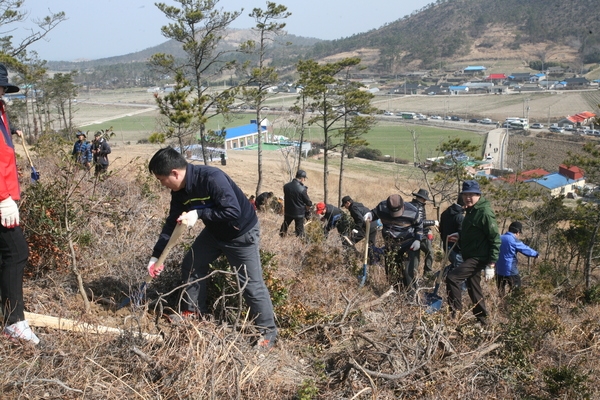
point(436, 223)
point(416, 245)
point(368, 217)
point(153, 269)
point(490, 271)
point(9, 213)
point(453, 237)
point(189, 218)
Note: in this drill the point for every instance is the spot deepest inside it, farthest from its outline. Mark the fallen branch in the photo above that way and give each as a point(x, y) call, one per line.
point(378, 300)
point(376, 374)
point(65, 324)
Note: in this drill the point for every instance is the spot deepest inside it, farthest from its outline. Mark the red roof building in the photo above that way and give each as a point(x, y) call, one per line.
point(525, 175)
point(571, 172)
point(496, 77)
point(581, 118)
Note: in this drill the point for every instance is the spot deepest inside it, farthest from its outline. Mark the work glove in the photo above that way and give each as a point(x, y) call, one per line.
point(436, 223)
point(490, 271)
point(9, 213)
point(368, 217)
point(453, 237)
point(416, 245)
point(189, 218)
point(430, 236)
point(153, 269)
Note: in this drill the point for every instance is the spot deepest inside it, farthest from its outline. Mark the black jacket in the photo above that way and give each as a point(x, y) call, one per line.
point(332, 215)
point(102, 149)
point(358, 211)
point(220, 203)
point(295, 199)
point(261, 200)
point(423, 215)
point(450, 222)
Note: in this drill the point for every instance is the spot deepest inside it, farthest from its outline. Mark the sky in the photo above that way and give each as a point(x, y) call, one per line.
point(106, 28)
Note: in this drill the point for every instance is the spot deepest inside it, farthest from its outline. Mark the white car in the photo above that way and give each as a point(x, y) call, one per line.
point(388, 113)
point(486, 121)
point(537, 126)
point(435, 117)
point(422, 117)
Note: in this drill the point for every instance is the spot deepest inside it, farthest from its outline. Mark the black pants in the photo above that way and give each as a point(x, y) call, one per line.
point(299, 225)
point(469, 270)
point(513, 282)
point(14, 253)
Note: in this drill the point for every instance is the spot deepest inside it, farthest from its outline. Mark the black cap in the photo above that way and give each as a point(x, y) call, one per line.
point(300, 174)
point(346, 199)
point(8, 87)
point(515, 227)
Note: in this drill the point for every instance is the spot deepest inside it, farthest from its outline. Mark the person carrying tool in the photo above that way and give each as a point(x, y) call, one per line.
point(419, 200)
point(82, 151)
point(14, 250)
point(507, 272)
point(296, 204)
point(479, 242)
point(402, 232)
point(231, 229)
point(357, 212)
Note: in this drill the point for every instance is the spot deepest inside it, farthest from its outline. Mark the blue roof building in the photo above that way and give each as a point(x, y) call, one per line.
point(559, 183)
point(245, 135)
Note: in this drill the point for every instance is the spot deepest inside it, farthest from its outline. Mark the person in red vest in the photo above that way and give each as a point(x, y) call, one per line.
point(14, 250)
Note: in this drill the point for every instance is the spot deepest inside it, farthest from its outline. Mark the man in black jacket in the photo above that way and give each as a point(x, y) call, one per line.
point(358, 211)
point(451, 222)
point(231, 229)
point(419, 200)
point(295, 204)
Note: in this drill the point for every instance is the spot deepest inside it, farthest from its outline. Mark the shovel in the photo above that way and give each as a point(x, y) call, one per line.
point(35, 176)
point(432, 300)
point(138, 296)
point(362, 278)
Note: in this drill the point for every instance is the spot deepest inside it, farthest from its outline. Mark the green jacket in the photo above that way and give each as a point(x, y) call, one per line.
point(479, 237)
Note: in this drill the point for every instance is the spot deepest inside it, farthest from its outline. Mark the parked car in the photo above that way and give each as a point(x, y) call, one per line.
point(422, 117)
point(447, 117)
point(455, 118)
point(556, 129)
point(473, 120)
point(487, 121)
point(435, 117)
point(537, 126)
point(388, 113)
point(592, 132)
point(506, 125)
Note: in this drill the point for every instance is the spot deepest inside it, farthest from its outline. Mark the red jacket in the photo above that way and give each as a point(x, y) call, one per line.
point(9, 178)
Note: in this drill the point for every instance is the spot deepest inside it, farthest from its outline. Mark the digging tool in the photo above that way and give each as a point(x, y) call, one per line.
point(65, 324)
point(432, 300)
point(139, 294)
point(35, 176)
point(363, 277)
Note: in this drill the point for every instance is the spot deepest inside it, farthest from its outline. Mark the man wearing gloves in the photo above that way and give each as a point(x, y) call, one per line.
point(14, 250)
point(231, 229)
point(402, 232)
point(479, 242)
point(507, 272)
point(296, 204)
point(421, 197)
point(357, 212)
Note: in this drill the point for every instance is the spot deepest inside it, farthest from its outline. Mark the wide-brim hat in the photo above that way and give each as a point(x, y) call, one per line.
point(9, 87)
point(80, 134)
point(395, 205)
point(422, 193)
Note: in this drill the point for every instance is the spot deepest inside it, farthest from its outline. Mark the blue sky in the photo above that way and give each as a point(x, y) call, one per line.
point(104, 28)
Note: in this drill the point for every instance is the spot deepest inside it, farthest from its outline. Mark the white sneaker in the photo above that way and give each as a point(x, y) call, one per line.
point(21, 330)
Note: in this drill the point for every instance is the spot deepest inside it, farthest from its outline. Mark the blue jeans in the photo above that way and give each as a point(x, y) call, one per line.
point(241, 251)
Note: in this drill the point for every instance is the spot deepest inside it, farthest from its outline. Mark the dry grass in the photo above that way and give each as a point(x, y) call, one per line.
point(337, 340)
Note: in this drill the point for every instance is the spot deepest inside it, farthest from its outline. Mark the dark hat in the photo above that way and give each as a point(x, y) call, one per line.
point(79, 133)
point(346, 199)
point(515, 227)
point(395, 204)
point(422, 193)
point(300, 174)
point(98, 134)
point(470, 187)
point(9, 87)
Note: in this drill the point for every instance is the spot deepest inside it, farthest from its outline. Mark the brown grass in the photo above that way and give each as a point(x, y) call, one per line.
point(337, 340)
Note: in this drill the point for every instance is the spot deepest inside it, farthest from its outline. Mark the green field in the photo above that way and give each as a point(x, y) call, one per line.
point(393, 139)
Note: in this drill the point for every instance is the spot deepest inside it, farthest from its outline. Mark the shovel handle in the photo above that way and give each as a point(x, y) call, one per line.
point(26, 152)
point(179, 228)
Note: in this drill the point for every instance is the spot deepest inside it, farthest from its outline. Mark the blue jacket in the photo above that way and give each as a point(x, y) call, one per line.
point(221, 205)
point(507, 261)
point(82, 151)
